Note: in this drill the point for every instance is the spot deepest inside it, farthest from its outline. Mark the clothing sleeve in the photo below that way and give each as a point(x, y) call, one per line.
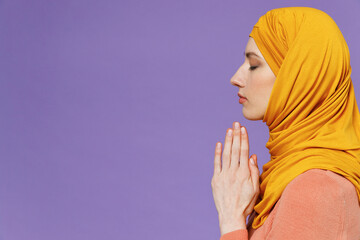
point(312, 206)
point(241, 234)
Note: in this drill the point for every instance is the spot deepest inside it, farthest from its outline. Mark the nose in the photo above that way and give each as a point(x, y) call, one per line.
point(238, 78)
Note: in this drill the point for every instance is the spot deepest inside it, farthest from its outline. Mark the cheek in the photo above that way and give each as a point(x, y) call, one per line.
point(261, 86)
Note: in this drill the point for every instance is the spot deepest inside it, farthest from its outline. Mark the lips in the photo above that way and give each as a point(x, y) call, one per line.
point(242, 98)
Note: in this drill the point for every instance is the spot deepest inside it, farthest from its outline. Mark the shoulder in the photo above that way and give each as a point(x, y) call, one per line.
point(316, 203)
point(318, 184)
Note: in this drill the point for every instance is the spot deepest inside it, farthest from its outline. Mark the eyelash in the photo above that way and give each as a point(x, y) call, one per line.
point(252, 68)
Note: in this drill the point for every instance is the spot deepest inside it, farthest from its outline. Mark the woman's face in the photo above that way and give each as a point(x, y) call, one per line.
point(255, 81)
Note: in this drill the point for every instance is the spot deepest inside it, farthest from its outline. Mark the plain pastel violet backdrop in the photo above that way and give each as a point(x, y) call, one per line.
point(110, 111)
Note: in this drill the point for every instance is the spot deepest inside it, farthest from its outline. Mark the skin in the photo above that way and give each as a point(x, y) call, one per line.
point(235, 183)
point(255, 81)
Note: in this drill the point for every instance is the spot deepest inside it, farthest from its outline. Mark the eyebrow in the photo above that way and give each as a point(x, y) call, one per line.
point(249, 54)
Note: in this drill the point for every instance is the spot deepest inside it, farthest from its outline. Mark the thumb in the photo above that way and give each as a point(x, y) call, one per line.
point(254, 171)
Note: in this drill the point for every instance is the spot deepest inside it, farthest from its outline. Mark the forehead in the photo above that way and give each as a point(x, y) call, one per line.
point(251, 47)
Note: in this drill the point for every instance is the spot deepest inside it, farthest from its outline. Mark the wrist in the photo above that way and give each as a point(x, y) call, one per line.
point(229, 225)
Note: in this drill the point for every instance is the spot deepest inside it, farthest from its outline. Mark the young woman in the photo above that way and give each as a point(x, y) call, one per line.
point(296, 78)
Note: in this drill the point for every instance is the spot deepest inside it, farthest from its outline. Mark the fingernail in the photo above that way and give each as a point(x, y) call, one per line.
point(237, 125)
point(229, 132)
point(242, 130)
point(252, 161)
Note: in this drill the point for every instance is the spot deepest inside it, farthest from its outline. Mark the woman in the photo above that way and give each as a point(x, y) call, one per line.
point(296, 78)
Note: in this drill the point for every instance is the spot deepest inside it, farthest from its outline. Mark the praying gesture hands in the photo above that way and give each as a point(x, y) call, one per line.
point(235, 183)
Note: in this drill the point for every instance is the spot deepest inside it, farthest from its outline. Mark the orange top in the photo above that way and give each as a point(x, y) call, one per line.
point(317, 204)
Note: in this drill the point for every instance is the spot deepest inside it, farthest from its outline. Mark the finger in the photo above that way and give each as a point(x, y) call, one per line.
point(254, 171)
point(244, 151)
point(253, 203)
point(217, 160)
point(235, 150)
point(227, 149)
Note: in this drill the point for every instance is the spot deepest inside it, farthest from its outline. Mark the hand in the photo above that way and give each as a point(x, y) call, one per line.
point(235, 183)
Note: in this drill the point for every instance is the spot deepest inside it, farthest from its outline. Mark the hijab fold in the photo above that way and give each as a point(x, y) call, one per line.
point(312, 114)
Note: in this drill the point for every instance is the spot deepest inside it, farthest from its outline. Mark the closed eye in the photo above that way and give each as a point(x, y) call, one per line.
point(251, 68)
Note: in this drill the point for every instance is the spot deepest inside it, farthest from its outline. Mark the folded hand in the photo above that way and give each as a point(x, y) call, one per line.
point(235, 183)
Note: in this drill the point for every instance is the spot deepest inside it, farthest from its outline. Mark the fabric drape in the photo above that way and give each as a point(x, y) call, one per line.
point(312, 114)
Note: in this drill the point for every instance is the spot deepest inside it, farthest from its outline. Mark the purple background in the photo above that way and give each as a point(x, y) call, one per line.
point(110, 111)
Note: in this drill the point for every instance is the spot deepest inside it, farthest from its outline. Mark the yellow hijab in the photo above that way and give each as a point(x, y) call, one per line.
point(312, 114)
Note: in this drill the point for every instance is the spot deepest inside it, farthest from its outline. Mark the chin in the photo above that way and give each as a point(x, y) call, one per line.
point(251, 115)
